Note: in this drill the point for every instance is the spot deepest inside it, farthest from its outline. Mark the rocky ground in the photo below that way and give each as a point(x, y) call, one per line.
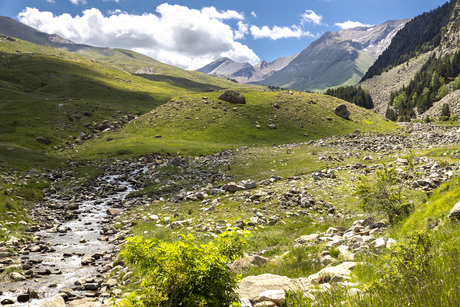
point(203, 183)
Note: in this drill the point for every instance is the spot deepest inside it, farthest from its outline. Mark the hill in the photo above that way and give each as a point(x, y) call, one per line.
point(198, 124)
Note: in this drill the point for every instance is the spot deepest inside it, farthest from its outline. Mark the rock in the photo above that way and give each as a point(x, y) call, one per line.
point(91, 286)
point(87, 260)
point(17, 276)
point(56, 301)
point(7, 301)
point(251, 286)
point(306, 238)
point(233, 187)
point(23, 298)
point(233, 97)
point(114, 212)
point(43, 140)
point(271, 126)
point(243, 263)
point(266, 304)
point(341, 269)
point(244, 302)
point(276, 296)
point(455, 212)
point(391, 242)
point(342, 111)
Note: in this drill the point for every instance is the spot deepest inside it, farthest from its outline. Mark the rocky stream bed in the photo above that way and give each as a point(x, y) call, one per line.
point(72, 257)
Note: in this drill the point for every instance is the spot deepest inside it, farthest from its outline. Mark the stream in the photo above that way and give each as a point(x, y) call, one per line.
point(68, 257)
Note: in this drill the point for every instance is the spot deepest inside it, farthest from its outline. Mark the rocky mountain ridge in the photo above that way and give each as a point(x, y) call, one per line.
point(337, 58)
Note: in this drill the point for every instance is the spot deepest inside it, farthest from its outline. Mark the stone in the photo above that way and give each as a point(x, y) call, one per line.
point(342, 111)
point(7, 301)
point(233, 97)
point(244, 302)
point(43, 140)
point(266, 304)
point(114, 212)
point(251, 286)
point(455, 212)
point(57, 301)
point(307, 238)
point(341, 269)
point(87, 260)
point(17, 276)
point(379, 243)
point(276, 296)
point(23, 298)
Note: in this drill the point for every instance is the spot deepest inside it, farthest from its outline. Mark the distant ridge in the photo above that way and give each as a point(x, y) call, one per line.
point(336, 58)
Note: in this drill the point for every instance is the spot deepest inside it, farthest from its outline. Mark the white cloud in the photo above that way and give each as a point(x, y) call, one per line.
point(311, 17)
point(116, 1)
point(51, 1)
point(253, 14)
point(279, 32)
point(175, 34)
point(77, 2)
point(351, 24)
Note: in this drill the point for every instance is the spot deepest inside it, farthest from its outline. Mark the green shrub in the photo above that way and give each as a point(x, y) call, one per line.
point(383, 193)
point(184, 273)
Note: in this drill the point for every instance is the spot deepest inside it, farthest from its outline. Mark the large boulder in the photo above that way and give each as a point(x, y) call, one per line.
point(233, 97)
point(342, 111)
point(455, 212)
point(43, 140)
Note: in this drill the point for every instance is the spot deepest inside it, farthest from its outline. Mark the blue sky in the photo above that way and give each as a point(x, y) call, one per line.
point(192, 33)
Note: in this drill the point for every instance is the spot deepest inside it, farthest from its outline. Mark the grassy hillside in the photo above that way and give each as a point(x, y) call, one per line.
point(195, 124)
point(59, 95)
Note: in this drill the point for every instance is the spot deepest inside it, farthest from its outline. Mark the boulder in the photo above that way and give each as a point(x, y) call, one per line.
point(43, 140)
point(276, 296)
point(57, 301)
point(233, 97)
point(342, 111)
point(455, 212)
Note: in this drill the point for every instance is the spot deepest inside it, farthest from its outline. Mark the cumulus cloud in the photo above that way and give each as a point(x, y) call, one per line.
point(243, 29)
point(276, 32)
point(253, 14)
point(351, 24)
point(174, 34)
point(311, 17)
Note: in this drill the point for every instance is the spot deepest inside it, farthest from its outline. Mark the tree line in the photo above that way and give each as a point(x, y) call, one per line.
point(355, 95)
point(427, 87)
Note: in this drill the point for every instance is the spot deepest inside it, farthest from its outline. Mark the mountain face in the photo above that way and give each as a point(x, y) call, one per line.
point(338, 58)
point(245, 72)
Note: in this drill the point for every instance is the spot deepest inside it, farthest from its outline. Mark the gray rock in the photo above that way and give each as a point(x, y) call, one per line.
point(43, 140)
point(233, 97)
point(455, 212)
point(342, 111)
point(276, 296)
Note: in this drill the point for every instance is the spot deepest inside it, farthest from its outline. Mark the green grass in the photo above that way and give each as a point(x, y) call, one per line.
point(202, 124)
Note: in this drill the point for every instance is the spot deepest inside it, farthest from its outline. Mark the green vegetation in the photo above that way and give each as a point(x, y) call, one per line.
point(198, 124)
point(183, 273)
point(427, 87)
point(355, 95)
point(421, 34)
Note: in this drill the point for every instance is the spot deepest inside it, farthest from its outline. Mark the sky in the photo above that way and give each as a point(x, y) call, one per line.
point(192, 33)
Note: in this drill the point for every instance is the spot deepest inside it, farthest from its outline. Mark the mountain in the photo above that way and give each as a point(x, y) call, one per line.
point(421, 34)
point(336, 58)
point(245, 72)
point(125, 60)
point(425, 49)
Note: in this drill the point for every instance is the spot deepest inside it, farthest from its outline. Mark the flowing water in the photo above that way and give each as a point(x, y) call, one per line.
point(82, 239)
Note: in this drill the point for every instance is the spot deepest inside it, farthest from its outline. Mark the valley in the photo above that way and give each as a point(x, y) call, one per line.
point(125, 181)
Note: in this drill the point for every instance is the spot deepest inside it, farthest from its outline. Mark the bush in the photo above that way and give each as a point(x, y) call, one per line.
point(184, 273)
point(384, 193)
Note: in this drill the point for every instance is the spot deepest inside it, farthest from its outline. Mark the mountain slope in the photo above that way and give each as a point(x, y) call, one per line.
point(423, 33)
point(339, 58)
point(125, 60)
point(245, 72)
